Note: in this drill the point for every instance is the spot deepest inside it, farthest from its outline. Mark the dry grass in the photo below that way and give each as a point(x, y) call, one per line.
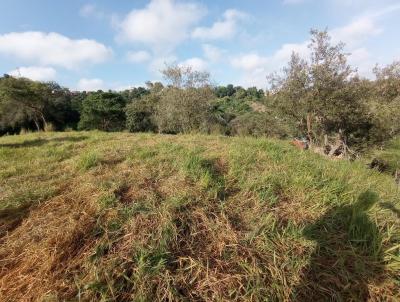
point(90, 216)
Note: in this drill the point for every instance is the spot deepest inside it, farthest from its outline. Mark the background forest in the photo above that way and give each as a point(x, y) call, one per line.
point(320, 98)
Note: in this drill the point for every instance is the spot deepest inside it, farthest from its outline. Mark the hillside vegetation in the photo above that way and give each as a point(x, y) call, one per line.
point(319, 98)
point(388, 156)
point(91, 216)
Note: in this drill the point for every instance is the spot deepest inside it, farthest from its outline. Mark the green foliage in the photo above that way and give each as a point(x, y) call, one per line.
point(231, 105)
point(140, 114)
point(323, 96)
point(318, 98)
point(389, 155)
point(134, 94)
point(183, 110)
point(29, 104)
point(258, 124)
point(102, 111)
point(184, 106)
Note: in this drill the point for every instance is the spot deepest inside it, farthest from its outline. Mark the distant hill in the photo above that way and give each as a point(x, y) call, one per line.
point(91, 216)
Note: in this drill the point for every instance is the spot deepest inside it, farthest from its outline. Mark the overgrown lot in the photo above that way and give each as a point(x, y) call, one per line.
point(90, 216)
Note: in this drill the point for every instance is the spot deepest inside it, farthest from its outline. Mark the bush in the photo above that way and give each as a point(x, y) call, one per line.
point(259, 124)
point(183, 110)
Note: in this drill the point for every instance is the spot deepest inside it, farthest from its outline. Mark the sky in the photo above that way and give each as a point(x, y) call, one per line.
point(104, 44)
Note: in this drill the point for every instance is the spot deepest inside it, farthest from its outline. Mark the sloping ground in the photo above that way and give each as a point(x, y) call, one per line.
point(89, 216)
point(388, 158)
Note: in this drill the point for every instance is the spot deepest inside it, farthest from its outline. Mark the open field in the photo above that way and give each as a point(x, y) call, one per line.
point(91, 216)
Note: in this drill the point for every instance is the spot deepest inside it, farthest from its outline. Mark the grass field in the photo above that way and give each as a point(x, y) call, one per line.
point(91, 216)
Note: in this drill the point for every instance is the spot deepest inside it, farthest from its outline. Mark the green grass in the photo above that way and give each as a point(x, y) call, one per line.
point(91, 216)
point(389, 155)
point(88, 161)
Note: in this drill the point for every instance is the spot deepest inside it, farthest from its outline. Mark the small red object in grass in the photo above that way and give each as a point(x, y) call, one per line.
point(302, 145)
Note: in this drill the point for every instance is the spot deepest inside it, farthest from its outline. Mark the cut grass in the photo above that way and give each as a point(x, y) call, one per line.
point(91, 216)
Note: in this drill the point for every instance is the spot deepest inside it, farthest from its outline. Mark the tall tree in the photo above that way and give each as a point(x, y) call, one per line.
point(322, 93)
point(184, 106)
point(22, 98)
point(103, 111)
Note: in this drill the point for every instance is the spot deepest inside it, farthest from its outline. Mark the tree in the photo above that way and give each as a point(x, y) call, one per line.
point(322, 95)
point(140, 113)
point(384, 101)
point(23, 99)
point(134, 93)
point(258, 124)
point(185, 77)
point(290, 92)
point(61, 110)
point(185, 104)
point(103, 111)
point(387, 84)
point(223, 91)
point(332, 104)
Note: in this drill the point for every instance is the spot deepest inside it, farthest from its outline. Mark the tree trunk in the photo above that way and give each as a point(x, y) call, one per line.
point(36, 124)
point(309, 131)
point(43, 120)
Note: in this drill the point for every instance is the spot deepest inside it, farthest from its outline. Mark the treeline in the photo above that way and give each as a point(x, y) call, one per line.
point(188, 104)
point(320, 98)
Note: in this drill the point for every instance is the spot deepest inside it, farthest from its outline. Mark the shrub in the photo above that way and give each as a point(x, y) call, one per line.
point(183, 110)
point(259, 124)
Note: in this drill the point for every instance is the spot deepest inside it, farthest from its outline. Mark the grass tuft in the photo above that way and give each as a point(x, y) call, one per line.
point(88, 161)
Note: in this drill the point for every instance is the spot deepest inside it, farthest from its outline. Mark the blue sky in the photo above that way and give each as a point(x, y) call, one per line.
point(88, 45)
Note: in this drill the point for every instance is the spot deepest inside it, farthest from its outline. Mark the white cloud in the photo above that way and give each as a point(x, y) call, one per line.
point(363, 60)
point(98, 84)
point(212, 53)
point(197, 64)
point(125, 87)
point(91, 10)
point(356, 32)
point(248, 62)
point(90, 84)
point(53, 49)
point(162, 24)
point(362, 27)
point(223, 29)
point(160, 62)
point(35, 73)
point(138, 56)
point(256, 67)
point(285, 52)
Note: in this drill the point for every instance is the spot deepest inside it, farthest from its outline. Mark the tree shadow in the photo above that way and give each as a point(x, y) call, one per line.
point(348, 255)
point(41, 141)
